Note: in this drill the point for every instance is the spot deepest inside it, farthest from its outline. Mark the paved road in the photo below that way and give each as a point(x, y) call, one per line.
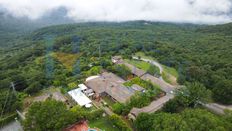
point(215, 107)
point(154, 106)
point(166, 87)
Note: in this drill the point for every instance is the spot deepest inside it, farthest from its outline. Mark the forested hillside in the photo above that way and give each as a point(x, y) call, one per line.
point(199, 53)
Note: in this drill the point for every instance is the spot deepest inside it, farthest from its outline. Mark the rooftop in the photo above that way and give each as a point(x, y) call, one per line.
point(79, 97)
point(79, 126)
point(112, 85)
point(134, 70)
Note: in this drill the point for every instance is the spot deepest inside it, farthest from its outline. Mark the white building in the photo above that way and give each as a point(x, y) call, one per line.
point(80, 97)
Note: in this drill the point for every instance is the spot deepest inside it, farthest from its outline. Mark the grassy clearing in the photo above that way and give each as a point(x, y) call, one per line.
point(108, 100)
point(103, 124)
point(139, 64)
point(151, 69)
point(68, 60)
point(170, 70)
point(145, 84)
point(169, 74)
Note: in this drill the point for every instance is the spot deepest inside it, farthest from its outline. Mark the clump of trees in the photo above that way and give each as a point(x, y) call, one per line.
point(118, 122)
point(138, 100)
point(189, 119)
point(154, 70)
point(54, 115)
point(189, 96)
point(48, 115)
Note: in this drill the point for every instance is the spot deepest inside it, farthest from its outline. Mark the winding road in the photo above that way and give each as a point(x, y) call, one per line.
point(214, 107)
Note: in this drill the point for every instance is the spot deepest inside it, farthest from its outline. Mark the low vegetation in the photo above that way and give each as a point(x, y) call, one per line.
point(147, 67)
point(121, 70)
point(68, 60)
point(119, 123)
point(103, 123)
point(145, 84)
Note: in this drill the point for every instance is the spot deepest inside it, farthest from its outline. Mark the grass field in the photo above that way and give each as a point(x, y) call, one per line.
point(139, 64)
point(151, 69)
point(103, 124)
point(169, 74)
point(145, 84)
point(170, 70)
point(68, 60)
point(108, 100)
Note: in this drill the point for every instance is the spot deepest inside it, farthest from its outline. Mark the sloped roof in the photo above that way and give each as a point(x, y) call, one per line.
point(134, 70)
point(112, 85)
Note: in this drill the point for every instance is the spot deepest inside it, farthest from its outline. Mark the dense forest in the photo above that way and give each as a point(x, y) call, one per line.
point(36, 60)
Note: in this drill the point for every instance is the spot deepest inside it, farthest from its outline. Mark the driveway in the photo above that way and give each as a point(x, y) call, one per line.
point(13, 126)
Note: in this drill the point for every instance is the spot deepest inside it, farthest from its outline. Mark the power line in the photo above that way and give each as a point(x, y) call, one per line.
point(14, 91)
point(12, 85)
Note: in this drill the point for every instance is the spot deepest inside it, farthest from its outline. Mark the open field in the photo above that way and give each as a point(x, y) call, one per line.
point(68, 60)
point(169, 74)
point(108, 100)
point(139, 64)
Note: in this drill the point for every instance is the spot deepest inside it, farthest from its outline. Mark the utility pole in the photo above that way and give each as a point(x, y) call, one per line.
point(13, 87)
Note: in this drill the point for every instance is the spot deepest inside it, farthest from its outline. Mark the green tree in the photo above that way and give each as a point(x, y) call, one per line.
point(188, 120)
point(33, 88)
point(49, 115)
point(223, 92)
point(118, 121)
point(140, 123)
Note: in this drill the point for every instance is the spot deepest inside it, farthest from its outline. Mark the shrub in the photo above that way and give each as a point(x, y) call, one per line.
point(118, 122)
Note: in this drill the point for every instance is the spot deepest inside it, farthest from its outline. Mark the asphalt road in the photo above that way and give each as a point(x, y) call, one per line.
point(215, 107)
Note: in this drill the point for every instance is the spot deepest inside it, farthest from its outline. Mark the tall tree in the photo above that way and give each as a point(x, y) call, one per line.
point(49, 115)
point(194, 93)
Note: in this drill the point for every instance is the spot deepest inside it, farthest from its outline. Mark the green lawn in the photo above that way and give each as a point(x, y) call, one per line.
point(103, 124)
point(151, 69)
point(169, 74)
point(139, 64)
point(141, 54)
point(145, 84)
point(108, 100)
point(170, 70)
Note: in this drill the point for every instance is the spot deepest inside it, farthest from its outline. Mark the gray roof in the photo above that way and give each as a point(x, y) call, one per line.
point(112, 85)
point(134, 70)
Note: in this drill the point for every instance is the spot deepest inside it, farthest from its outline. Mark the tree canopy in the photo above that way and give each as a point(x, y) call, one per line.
point(188, 120)
point(48, 116)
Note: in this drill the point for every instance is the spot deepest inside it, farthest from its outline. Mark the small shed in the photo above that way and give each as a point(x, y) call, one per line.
point(116, 59)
